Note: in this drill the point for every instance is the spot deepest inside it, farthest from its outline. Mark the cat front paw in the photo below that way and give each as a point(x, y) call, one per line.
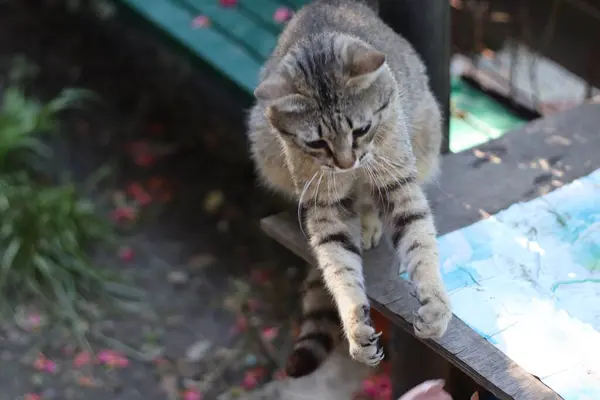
point(434, 315)
point(372, 230)
point(363, 340)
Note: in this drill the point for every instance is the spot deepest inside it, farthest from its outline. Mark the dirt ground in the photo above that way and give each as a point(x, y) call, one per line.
point(218, 296)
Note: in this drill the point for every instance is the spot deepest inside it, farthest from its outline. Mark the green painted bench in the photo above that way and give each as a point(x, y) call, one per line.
point(235, 43)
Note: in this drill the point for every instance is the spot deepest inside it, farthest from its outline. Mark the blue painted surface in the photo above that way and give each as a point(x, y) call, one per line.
point(528, 281)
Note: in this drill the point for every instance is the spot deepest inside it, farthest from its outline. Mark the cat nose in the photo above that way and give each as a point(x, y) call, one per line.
point(345, 162)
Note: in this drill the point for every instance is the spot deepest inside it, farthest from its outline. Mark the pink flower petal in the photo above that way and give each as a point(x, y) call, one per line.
point(201, 21)
point(34, 321)
point(126, 254)
point(191, 394)
point(82, 358)
point(121, 214)
point(104, 356)
point(50, 366)
point(369, 388)
point(250, 381)
point(139, 194)
point(282, 15)
point(113, 359)
point(228, 3)
point(32, 396)
point(270, 333)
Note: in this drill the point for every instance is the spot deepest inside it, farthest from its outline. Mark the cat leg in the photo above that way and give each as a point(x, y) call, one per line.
point(335, 240)
point(320, 329)
point(414, 237)
point(372, 227)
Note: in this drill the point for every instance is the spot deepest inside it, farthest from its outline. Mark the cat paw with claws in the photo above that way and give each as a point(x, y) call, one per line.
point(364, 340)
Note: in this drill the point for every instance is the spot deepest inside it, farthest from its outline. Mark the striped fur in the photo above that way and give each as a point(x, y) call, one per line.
point(346, 126)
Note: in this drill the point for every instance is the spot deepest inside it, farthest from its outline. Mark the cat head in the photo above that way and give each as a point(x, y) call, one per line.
point(328, 96)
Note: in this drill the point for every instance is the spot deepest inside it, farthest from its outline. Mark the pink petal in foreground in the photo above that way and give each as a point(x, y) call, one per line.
point(429, 390)
point(282, 15)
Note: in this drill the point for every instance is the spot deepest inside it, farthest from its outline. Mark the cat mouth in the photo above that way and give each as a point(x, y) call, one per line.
point(338, 170)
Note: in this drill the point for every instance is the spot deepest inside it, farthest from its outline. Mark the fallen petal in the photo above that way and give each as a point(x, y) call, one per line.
point(87, 382)
point(139, 194)
point(126, 254)
point(200, 21)
point(282, 15)
point(192, 394)
point(50, 366)
point(250, 381)
point(81, 359)
point(121, 214)
point(40, 362)
point(270, 333)
point(228, 3)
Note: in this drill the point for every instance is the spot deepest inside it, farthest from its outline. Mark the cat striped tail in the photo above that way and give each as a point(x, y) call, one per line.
point(320, 329)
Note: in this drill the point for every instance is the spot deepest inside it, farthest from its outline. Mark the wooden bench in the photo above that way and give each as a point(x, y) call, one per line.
point(472, 185)
point(237, 40)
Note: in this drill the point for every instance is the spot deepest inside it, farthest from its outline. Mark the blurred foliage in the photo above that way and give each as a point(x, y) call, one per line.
point(48, 233)
point(23, 120)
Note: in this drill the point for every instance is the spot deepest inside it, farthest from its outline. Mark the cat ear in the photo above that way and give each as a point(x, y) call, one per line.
point(364, 65)
point(279, 93)
point(273, 87)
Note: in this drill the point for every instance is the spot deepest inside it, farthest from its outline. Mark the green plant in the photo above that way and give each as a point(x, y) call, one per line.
point(23, 120)
point(47, 235)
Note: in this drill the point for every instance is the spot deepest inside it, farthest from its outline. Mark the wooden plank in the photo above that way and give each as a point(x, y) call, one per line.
point(296, 3)
point(209, 44)
point(517, 167)
point(393, 297)
point(236, 24)
point(264, 10)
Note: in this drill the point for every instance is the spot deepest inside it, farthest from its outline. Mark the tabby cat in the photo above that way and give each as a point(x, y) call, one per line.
point(345, 124)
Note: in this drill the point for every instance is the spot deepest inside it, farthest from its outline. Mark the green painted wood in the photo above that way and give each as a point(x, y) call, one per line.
point(296, 3)
point(264, 10)
point(211, 45)
point(232, 22)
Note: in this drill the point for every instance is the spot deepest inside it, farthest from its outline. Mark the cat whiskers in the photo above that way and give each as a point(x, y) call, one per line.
point(316, 195)
point(370, 171)
point(304, 189)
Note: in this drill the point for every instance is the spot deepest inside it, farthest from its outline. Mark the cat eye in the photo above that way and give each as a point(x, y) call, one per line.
point(361, 131)
point(317, 144)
